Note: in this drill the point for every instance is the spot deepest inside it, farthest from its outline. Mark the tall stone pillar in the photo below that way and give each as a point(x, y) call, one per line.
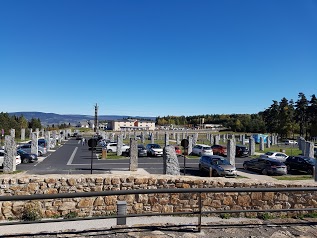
point(53, 145)
point(23, 134)
point(178, 139)
point(119, 144)
point(10, 152)
point(243, 139)
point(170, 161)
point(142, 137)
point(190, 145)
point(261, 144)
point(231, 151)
point(34, 143)
point(268, 142)
point(152, 138)
point(37, 130)
point(47, 138)
point(251, 146)
point(12, 133)
point(212, 139)
point(30, 135)
point(166, 139)
point(309, 149)
point(195, 139)
point(133, 155)
point(217, 139)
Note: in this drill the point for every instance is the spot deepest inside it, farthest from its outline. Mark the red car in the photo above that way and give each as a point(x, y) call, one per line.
point(219, 150)
point(178, 150)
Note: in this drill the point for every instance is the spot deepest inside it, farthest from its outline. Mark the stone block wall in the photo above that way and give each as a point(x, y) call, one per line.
point(142, 203)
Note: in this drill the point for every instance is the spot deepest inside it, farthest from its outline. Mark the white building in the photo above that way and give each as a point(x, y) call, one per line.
point(131, 124)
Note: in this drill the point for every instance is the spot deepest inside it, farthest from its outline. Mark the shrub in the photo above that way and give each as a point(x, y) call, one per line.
point(31, 212)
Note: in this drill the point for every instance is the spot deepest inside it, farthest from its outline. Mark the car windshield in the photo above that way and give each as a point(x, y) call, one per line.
point(155, 146)
point(269, 153)
point(309, 160)
point(21, 152)
point(221, 162)
point(207, 148)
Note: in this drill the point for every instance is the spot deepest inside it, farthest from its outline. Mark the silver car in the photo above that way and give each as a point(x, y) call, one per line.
point(27, 148)
point(218, 164)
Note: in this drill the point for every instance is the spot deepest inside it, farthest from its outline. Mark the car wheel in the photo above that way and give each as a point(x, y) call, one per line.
point(245, 167)
point(214, 173)
point(109, 151)
point(199, 154)
point(288, 168)
point(264, 172)
point(40, 153)
point(200, 168)
point(310, 171)
point(25, 161)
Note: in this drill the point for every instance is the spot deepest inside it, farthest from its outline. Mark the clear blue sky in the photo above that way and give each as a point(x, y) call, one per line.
point(155, 58)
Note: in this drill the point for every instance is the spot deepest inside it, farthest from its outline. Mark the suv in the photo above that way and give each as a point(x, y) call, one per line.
point(219, 150)
point(112, 147)
point(27, 149)
point(200, 150)
point(300, 163)
point(219, 165)
point(242, 150)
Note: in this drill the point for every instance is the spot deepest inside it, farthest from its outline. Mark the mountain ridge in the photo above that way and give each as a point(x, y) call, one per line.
point(48, 118)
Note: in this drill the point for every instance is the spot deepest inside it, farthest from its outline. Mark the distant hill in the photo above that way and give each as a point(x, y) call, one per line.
point(53, 118)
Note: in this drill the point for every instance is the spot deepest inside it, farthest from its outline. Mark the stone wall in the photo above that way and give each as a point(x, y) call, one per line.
point(154, 203)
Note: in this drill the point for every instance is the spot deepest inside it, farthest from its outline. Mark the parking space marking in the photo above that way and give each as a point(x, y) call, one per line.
point(72, 156)
point(127, 163)
point(78, 142)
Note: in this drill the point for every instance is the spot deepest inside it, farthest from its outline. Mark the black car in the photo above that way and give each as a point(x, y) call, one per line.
point(26, 157)
point(142, 152)
point(266, 166)
point(242, 150)
point(300, 163)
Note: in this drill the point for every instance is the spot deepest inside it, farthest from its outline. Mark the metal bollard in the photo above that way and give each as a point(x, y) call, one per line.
point(121, 211)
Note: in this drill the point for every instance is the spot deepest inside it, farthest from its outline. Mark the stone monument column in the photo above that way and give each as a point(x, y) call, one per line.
point(12, 133)
point(170, 161)
point(166, 139)
point(10, 152)
point(231, 151)
point(22, 134)
point(119, 144)
point(34, 144)
point(251, 146)
point(133, 154)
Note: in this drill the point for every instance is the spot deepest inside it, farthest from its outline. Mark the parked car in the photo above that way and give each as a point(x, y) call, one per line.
point(17, 158)
point(300, 163)
point(290, 142)
point(26, 157)
point(219, 150)
point(178, 151)
point(201, 149)
point(79, 137)
point(266, 166)
point(276, 155)
point(219, 165)
point(41, 142)
point(112, 147)
point(154, 150)
point(142, 152)
point(242, 150)
point(27, 148)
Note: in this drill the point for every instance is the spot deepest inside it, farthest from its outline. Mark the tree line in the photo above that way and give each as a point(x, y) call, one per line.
point(8, 122)
point(286, 117)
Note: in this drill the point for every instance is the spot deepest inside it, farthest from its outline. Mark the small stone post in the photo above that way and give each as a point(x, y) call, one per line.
point(243, 139)
point(178, 138)
point(212, 139)
point(195, 139)
point(133, 154)
point(217, 139)
point(142, 137)
point(30, 135)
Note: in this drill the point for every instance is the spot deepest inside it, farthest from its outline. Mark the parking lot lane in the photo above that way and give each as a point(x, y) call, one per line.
point(72, 156)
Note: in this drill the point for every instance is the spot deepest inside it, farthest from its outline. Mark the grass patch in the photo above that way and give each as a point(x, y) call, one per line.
point(290, 151)
point(295, 177)
point(112, 156)
point(14, 172)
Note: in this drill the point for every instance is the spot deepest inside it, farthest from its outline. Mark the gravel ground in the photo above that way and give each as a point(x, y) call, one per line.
point(173, 227)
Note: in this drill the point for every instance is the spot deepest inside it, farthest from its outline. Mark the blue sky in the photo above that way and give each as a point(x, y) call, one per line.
point(155, 58)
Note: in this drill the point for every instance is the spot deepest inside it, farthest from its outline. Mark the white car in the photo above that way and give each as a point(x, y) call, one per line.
point(201, 149)
point(112, 147)
point(154, 150)
point(291, 142)
point(17, 161)
point(276, 155)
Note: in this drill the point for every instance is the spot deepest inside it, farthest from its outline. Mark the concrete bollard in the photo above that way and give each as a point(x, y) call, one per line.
point(121, 211)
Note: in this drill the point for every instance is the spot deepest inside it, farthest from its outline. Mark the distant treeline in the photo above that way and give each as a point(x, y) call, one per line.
point(286, 118)
point(8, 122)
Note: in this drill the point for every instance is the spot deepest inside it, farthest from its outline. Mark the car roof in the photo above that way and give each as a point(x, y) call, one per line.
point(214, 156)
